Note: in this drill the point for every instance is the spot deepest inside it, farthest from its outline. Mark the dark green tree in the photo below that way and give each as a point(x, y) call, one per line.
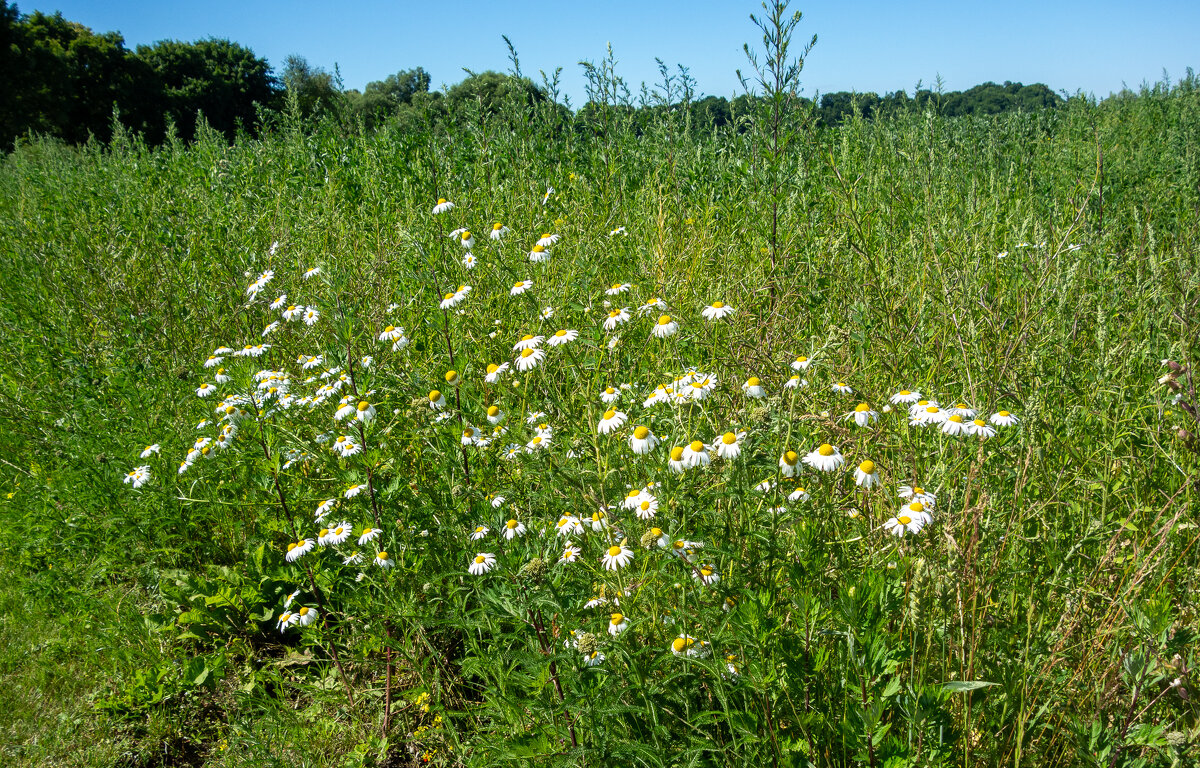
point(220, 79)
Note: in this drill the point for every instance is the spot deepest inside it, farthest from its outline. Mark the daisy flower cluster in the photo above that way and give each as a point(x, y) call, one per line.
point(568, 441)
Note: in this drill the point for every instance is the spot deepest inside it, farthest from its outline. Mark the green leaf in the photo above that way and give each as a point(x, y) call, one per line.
point(962, 686)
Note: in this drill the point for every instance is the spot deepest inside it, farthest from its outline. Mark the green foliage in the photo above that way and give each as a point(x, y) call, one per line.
point(1044, 262)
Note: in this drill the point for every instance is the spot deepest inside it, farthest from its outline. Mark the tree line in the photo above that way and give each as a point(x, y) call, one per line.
point(59, 78)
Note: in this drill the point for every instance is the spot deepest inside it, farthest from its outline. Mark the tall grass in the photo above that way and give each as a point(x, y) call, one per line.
point(1041, 619)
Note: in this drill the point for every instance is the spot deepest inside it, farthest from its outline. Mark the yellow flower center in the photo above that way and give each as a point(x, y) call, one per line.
point(923, 402)
point(729, 438)
point(441, 200)
point(790, 458)
point(956, 419)
point(867, 467)
point(931, 409)
point(537, 440)
point(302, 612)
point(656, 531)
point(382, 555)
point(466, 236)
point(1004, 414)
point(478, 558)
point(862, 408)
point(752, 381)
point(448, 296)
point(617, 618)
point(367, 531)
point(614, 551)
point(434, 396)
point(292, 546)
point(609, 414)
point(696, 446)
point(545, 235)
point(825, 450)
point(614, 313)
point(511, 524)
point(979, 423)
point(718, 305)
point(641, 433)
point(664, 320)
point(801, 359)
point(492, 368)
point(493, 410)
point(363, 405)
point(680, 644)
point(519, 284)
point(497, 226)
point(526, 352)
point(905, 392)
point(916, 506)
point(706, 571)
point(645, 506)
point(468, 433)
point(539, 249)
point(451, 376)
point(904, 519)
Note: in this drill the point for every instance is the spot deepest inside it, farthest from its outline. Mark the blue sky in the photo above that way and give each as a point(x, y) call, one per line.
point(877, 46)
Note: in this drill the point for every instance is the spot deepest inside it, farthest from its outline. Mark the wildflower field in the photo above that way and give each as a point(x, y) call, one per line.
point(523, 439)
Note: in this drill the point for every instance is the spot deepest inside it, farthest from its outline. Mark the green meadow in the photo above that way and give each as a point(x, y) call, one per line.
point(1034, 276)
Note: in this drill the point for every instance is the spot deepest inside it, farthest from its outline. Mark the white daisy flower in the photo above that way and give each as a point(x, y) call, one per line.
point(470, 436)
point(617, 289)
point(609, 396)
point(570, 553)
point(799, 494)
point(652, 305)
point(494, 414)
point(866, 475)
point(528, 341)
point(353, 491)
point(862, 415)
point(365, 412)
point(616, 317)
point(498, 231)
point(339, 534)
point(789, 463)
point(930, 414)
point(646, 508)
point(695, 454)
point(675, 462)
point(1003, 419)
point(391, 333)
point(138, 477)
point(324, 508)
point(271, 327)
point(825, 458)
point(494, 372)
point(617, 623)
point(437, 401)
point(980, 428)
point(642, 441)
point(707, 575)
point(539, 254)
point(801, 363)
point(547, 240)
point(212, 360)
point(466, 239)
point(611, 421)
point(469, 261)
point(795, 382)
point(479, 532)
point(298, 549)
point(151, 449)
point(512, 529)
point(205, 389)
point(718, 310)
point(561, 337)
point(910, 519)
point(442, 206)
point(313, 361)
point(917, 493)
point(617, 556)
point(842, 387)
point(287, 619)
point(962, 409)
point(520, 287)
point(568, 526)
point(685, 645)
point(539, 442)
point(383, 561)
point(753, 388)
point(955, 426)
point(547, 313)
point(617, 231)
point(593, 659)
point(665, 327)
point(529, 358)
point(368, 535)
point(293, 312)
point(729, 446)
point(279, 302)
point(481, 563)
